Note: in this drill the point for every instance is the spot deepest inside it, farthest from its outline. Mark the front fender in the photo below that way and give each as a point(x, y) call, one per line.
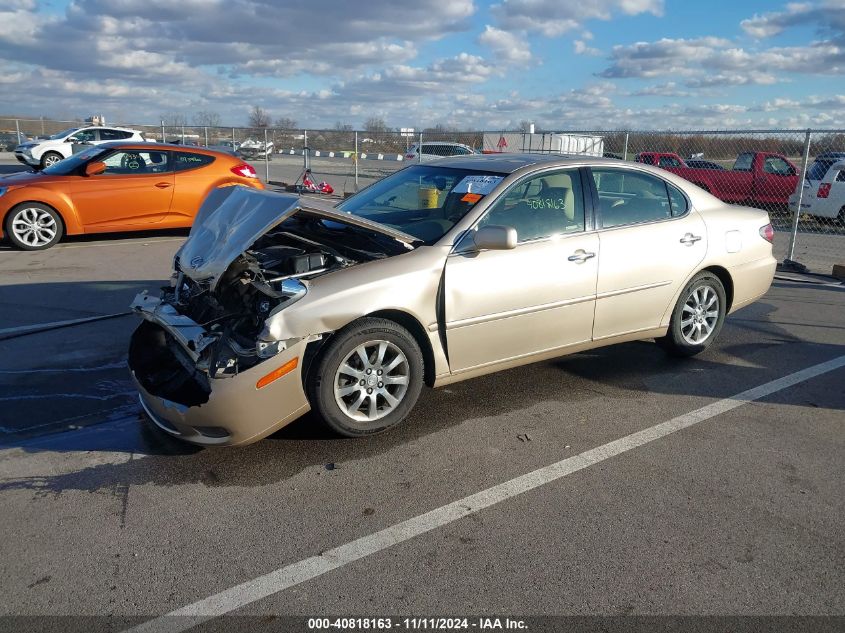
point(406, 283)
point(58, 200)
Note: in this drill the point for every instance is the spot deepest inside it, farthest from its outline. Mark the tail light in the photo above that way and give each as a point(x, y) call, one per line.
point(767, 233)
point(244, 171)
point(824, 190)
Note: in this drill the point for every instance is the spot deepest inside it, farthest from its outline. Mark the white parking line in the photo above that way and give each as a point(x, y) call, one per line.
point(296, 573)
point(100, 244)
point(34, 327)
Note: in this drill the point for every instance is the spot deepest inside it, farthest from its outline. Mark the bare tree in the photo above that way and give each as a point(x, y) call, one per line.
point(376, 124)
point(206, 118)
point(342, 127)
point(286, 123)
point(259, 117)
point(174, 119)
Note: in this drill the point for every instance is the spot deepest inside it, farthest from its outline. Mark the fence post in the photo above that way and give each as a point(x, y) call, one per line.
point(800, 198)
point(205, 129)
point(18, 130)
point(163, 136)
point(419, 150)
point(233, 140)
point(266, 159)
point(355, 160)
point(183, 135)
point(625, 151)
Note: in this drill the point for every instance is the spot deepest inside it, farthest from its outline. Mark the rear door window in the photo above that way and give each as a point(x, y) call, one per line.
point(114, 135)
point(189, 160)
point(630, 197)
point(744, 162)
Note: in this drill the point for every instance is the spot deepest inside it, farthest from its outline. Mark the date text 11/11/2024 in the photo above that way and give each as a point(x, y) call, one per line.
point(416, 624)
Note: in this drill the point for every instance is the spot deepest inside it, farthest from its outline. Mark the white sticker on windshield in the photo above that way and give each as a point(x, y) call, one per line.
point(481, 185)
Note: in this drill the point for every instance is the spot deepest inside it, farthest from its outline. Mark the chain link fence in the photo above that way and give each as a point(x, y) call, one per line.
point(798, 176)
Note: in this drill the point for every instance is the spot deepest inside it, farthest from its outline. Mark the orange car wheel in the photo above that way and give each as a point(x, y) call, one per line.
point(33, 226)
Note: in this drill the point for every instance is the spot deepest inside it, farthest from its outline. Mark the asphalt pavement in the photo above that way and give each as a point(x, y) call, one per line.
point(617, 482)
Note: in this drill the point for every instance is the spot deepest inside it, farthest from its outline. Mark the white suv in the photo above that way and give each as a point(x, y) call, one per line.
point(824, 188)
point(49, 151)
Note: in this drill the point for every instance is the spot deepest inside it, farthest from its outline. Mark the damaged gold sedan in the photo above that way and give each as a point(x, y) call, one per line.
point(440, 272)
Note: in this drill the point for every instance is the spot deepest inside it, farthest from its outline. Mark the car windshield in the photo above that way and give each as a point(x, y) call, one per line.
point(62, 134)
point(71, 164)
point(421, 200)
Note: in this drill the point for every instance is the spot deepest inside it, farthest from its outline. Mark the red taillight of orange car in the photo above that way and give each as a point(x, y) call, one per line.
point(767, 233)
point(277, 373)
point(244, 171)
point(824, 190)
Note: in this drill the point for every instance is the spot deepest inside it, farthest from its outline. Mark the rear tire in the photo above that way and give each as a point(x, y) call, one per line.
point(367, 379)
point(697, 318)
point(32, 226)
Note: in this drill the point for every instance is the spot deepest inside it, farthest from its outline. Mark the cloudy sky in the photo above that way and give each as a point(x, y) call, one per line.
point(565, 64)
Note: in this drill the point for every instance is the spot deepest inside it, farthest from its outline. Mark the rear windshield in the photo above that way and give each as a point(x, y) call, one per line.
point(423, 201)
point(819, 168)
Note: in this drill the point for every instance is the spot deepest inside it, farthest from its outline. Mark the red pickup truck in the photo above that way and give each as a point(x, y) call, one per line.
point(757, 178)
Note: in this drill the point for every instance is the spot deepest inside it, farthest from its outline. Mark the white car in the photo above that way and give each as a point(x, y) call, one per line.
point(824, 189)
point(41, 153)
point(433, 150)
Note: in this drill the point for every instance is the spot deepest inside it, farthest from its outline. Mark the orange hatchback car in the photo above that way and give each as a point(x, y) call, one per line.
point(115, 187)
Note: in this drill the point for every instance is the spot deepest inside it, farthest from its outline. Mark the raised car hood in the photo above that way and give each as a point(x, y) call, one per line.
point(232, 218)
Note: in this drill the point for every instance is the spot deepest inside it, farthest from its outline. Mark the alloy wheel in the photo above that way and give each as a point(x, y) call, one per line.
point(34, 227)
point(372, 380)
point(700, 315)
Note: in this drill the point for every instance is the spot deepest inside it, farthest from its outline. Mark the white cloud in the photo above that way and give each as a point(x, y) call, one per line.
point(716, 61)
point(581, 48)
point(506, 46)
point(827, 15)
point(555, 17)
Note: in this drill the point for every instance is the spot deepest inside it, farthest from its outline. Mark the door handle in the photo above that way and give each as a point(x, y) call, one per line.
point(580, 256)
point(689, 239)
point(162, 185)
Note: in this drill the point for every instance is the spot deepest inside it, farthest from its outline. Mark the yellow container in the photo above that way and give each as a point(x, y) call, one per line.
point(428, 198)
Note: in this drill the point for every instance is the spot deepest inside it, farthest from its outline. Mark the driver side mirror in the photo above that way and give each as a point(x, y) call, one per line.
point(95, 167)
point(495, 238)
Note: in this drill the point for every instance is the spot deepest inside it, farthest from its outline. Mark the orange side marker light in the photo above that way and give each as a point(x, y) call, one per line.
point(277, 373)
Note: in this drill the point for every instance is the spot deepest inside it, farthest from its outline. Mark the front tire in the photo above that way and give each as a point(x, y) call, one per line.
point(368, 378)
point(697, 318)
point(50, 158)
point(32, 226)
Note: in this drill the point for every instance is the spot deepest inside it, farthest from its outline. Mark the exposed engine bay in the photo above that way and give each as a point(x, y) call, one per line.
point(208, 326)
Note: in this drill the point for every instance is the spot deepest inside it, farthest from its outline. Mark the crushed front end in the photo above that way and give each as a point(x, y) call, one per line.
point(207, 362)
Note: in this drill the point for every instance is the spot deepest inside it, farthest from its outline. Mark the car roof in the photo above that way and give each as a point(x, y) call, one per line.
point(507, 163)
point(161, 146)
